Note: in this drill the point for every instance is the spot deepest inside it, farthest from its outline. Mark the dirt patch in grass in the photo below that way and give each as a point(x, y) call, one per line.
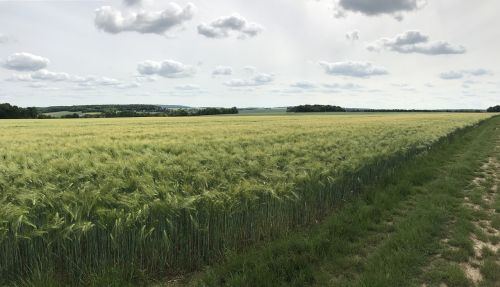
point(473, 273)
point(475, 266)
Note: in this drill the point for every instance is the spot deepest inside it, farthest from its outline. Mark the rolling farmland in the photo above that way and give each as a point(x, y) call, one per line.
point(167, 195)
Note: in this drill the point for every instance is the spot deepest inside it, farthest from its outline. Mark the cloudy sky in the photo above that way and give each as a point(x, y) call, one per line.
point(353, 53)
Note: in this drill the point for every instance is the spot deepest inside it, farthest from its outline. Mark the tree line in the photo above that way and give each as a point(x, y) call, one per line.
point(7, 111)
point(101, 108)
point(495, 109)
point(329, 108)
point(314, 109)
point(169, 113)
point(416, 111)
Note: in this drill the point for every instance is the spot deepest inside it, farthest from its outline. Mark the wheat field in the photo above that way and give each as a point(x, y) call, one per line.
point(171, 194)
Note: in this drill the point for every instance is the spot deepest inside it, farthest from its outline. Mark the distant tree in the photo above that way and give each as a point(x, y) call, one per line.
point(71, 116)
point(8, 111)
point(178, 113)
point(495, 109)
point(314, 109)
point(217, 111)
point(32, 112)
point(43, 116)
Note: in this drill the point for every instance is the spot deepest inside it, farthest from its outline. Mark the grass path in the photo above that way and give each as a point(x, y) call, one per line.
point(469, 254)
point(423, 227)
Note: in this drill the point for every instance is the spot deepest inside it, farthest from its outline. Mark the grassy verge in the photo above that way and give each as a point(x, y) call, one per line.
point(469, 253)
point(383, 238)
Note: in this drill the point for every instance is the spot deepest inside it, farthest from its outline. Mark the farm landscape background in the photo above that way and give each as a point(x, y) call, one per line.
point(236, 143)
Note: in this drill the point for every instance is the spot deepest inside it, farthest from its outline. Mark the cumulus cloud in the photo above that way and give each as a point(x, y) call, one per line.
point(257, 80)
point(20, 78)
point(92, 81)
point(45, 75)
point(25, 62)
point(223, 27)
point(353, 69)
point(376, 8)
point(352, 35)
point(437, 48)
point(40, 77)
point(222, 71)
point(114, 21)
point(415, 42)
point(166, 69)
point(454, 75)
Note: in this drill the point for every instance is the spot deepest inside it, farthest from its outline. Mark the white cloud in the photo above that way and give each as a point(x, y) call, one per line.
point(257, 80)
point(223, 27)
point(46, 75)
point(38, 78)
point(411, 37)
point(222, 71)
point(437, 48)
point(415, 42)
point(353, 69)
point(92, 81)
point(378, 7)
point(453, 75)
point(352, 35)
point(166, 69)
point(114, 21)
point(20, 78)
point(25, 62)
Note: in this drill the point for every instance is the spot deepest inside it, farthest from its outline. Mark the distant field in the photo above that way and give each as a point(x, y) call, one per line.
point(263, 111)
point(65, 113)
point(170, 194)
point(60, 114)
